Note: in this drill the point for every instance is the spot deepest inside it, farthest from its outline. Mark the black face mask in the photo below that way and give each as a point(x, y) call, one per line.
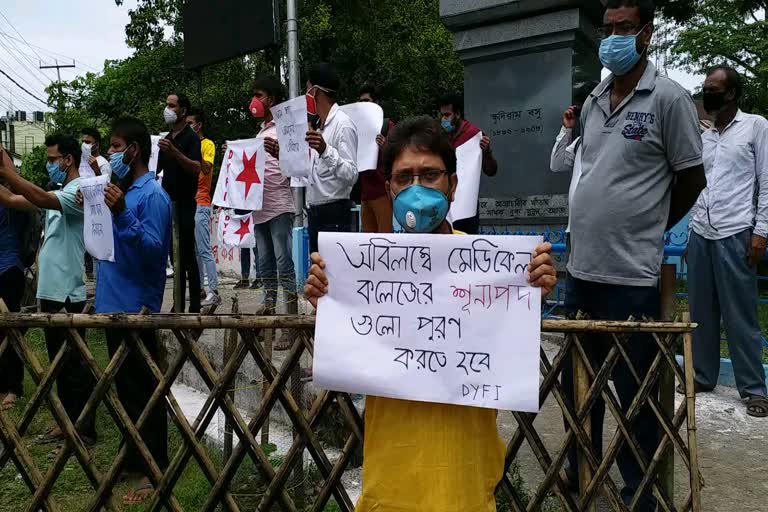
point(714, 101)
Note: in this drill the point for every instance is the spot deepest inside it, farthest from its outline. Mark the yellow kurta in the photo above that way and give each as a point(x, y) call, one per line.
point(427, 457)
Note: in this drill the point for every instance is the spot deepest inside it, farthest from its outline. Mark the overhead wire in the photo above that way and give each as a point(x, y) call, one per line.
point(32, 72)
point(44, 102)
point(49, 53)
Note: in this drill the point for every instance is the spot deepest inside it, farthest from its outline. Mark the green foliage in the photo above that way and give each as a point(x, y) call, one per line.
point(33, 166)
point(726, 31)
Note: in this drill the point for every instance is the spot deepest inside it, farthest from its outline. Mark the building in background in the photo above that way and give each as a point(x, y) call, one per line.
point(21, 132)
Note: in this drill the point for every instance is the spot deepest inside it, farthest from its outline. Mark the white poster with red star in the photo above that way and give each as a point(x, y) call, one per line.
point(236, 230)
point(241, 179)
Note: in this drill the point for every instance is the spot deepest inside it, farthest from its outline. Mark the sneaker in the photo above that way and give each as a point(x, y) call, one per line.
point(169, 272)
point(243, 283)
point(211, 299)
point(256, 284)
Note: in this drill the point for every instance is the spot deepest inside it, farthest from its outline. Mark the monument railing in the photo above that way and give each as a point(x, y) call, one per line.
point(281, 489)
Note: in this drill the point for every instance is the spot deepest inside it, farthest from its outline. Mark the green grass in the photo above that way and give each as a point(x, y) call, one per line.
point(73, 491)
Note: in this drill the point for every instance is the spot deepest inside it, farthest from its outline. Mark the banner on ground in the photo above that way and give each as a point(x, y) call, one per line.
point(433, 318)
point(469, 163)
point(369, 120)
point(97, 224)
point(236, 230)
point(241, 179)
point(291, 124)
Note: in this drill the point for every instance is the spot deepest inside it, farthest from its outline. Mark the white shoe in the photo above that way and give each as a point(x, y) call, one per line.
point(169, 272)
point(211, 299)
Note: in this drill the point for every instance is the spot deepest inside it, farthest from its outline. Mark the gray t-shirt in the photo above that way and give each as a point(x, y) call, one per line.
point(629, 160)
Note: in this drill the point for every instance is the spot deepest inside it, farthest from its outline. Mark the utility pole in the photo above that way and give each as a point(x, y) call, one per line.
point(292, 25)
point(58, 67)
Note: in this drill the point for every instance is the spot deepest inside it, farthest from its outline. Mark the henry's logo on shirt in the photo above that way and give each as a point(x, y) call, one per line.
point(637, 125)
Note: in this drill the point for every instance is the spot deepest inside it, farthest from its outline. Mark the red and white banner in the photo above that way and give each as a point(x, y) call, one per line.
point(241, 179)
point(236, 230)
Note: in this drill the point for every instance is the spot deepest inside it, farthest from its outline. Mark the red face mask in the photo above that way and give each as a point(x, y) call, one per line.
point(256, 108)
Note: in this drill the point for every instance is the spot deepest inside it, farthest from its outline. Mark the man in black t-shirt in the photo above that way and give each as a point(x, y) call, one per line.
point(179, 160)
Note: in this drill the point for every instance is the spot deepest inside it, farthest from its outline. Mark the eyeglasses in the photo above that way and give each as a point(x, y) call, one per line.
point(428, 177)
point(620, 29)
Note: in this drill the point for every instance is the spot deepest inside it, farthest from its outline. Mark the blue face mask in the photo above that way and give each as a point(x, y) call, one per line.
point(619, 53)
point(55, 173)
point(420, 209)
point(119, 168)
point(447, 125)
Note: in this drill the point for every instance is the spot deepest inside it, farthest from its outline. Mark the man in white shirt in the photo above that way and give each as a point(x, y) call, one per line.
point(91, 149)
point(334, 171)
point(566, 153)
point(728, 239)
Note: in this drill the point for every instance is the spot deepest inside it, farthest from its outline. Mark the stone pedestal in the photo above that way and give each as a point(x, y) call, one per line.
point(523, 60)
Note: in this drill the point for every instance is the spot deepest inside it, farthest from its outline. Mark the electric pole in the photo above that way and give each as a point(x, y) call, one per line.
point(58, 67)
point(292, 26)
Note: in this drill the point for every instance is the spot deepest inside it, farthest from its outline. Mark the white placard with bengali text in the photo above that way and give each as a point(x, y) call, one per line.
point(155, 153)
point(431, 318)
point(291, 124)
point(97, 225)
point(369, 120)
point(469, 162)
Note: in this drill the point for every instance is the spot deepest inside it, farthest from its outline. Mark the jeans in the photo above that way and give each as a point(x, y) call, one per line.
point(273, 238)
point(722, 283)
point(11, 368)
point(205, 262)
point(245, 263)
point(75, 382)
point(615, 302)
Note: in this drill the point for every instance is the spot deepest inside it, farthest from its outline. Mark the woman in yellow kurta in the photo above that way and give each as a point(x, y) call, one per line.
point(427, 457)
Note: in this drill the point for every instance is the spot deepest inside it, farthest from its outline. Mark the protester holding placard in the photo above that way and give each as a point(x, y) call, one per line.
point(460, 130)
point(91, 148)
point(60, 269)
point(334, 172)
point(205, 262)
point(273, 224)
point(180, 162)
point(141, 212)
point(421, 456)
point(376, 208)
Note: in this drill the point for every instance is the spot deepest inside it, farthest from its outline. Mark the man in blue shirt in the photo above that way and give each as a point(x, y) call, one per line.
point(141, 213)
point(61, 268)
point(11, 290)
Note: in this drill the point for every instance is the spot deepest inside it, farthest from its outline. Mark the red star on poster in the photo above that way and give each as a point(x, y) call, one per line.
point(244, 229)
point(249, 176)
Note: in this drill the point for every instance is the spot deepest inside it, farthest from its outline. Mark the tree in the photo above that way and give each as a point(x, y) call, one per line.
point(733, 32)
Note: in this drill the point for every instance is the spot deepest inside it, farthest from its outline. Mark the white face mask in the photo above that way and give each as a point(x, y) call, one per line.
point(87, 149)
point(170, 116)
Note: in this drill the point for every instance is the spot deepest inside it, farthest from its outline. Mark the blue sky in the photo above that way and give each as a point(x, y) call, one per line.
point(89, 31)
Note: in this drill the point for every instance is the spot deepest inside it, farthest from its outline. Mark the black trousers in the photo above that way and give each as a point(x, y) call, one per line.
point(11, 367)
point(135, 385)
point(188, 271)
point(615, 302)
point(334, 217)
point(75, 382)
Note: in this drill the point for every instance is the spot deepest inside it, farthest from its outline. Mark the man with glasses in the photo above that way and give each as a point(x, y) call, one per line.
point(334, 171)
point(729, 227)
point(641, 173)
point(61, 269)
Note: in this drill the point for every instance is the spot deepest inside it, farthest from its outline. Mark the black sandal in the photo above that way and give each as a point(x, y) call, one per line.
point(757, 406)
